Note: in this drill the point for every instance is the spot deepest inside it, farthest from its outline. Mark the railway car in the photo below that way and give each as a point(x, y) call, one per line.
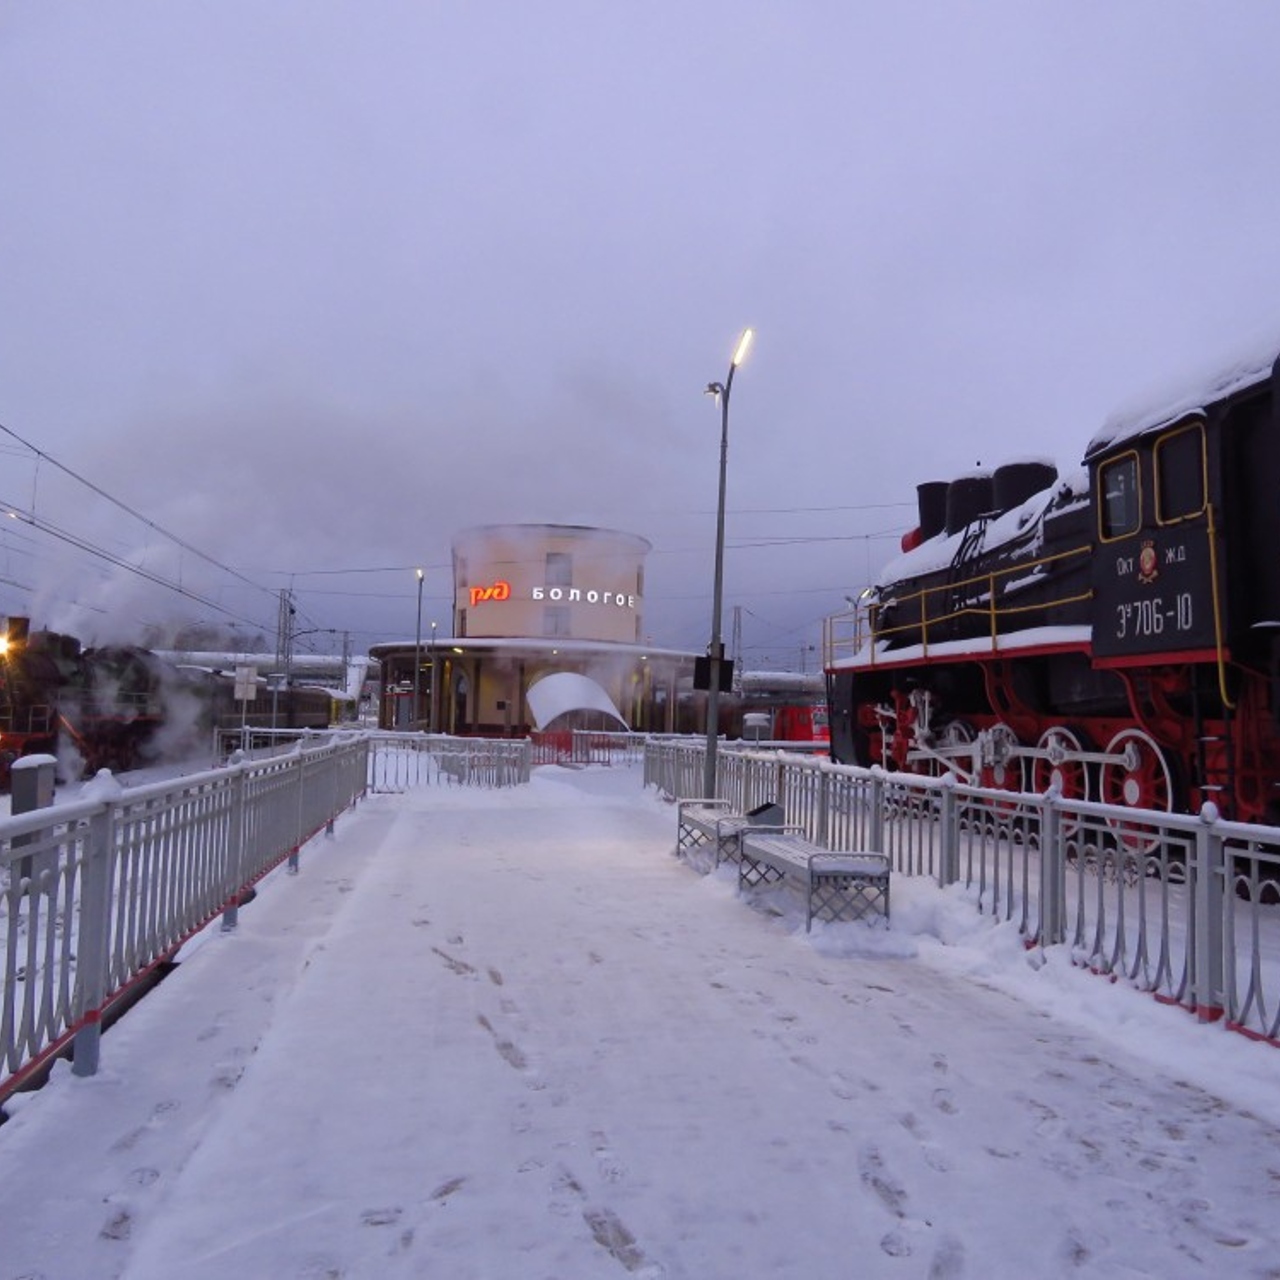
point(295, 705)
point(779, 706)
point(1114, 630)
point(104, 703)
point(117, 707)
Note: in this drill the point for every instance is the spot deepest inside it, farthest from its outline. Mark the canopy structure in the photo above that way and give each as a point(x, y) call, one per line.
point(554, 695)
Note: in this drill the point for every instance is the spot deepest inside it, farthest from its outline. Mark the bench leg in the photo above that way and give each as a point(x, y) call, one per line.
point(752, 873)
point(687, 838)
point(847, 897)
point(728, 849)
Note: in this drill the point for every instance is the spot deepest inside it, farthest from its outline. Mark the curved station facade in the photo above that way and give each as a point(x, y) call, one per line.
point(547, 633)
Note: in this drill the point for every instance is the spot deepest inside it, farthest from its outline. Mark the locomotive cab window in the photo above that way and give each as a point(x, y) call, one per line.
point(1118, 511)
point(1179, 459)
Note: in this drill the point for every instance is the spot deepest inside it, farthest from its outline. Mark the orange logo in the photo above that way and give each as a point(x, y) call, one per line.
point(500, 590)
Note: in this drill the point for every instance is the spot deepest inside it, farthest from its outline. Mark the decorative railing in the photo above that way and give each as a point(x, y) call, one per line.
point(1186, 907)
point(100, 891)
point(588, 746)
point(402, 760)
point(930, 612)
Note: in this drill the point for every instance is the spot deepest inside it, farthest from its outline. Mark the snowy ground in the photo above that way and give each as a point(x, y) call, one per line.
point(507, 1036)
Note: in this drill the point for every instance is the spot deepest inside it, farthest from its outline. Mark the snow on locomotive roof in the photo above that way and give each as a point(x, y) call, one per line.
point(1070, 488)
point(883, 655)
point(1160, 410)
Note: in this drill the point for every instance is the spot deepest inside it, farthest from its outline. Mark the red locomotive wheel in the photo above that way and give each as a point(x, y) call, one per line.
point(1140, 779)
point(1060, 766)
point(955, 736)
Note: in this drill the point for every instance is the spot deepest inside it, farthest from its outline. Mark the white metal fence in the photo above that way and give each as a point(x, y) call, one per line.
point(600, 746)
point(1185, 907)
point(403, 760)
point(100, 891)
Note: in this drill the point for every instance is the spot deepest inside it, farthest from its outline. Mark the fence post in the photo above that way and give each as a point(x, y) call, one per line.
point(823, 834)
point(93, 944)
point(1207, 966)
point(235, 843)
point(949, 818)
point(876, 817)
point(335, 781)
point(1053, 871)
point(300, 763)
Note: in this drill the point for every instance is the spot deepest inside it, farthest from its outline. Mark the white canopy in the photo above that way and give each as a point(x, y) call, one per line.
point(565, 691)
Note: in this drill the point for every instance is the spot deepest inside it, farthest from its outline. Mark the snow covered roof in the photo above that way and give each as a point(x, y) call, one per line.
point(349, 673)
point(530, 644)
point(1164, 408)
point(1056, 637)
point(763, 682)
point(554, 695)
point(1071, 487)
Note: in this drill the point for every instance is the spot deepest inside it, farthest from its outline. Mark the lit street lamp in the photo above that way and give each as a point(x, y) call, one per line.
point(716, 650)
point(431, 706)
point(417, 652)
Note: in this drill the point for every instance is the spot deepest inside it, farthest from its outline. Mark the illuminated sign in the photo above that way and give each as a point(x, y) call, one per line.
point(572, 594)
point(499, 590)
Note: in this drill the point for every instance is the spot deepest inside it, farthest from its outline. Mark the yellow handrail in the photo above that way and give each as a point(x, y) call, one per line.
point(1217, 613)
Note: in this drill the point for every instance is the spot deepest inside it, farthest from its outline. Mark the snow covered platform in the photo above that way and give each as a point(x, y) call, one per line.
point(504, 1033)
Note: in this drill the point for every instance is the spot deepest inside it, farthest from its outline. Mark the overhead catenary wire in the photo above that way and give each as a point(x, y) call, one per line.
point(101, 553)
point(178, 541)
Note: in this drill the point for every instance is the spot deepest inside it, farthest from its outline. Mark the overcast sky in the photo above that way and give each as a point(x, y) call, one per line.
point(314, 285)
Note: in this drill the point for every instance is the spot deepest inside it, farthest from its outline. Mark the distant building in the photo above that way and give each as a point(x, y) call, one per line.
point(547, 633)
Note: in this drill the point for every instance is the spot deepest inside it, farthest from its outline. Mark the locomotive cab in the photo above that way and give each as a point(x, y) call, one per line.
point(1186, 586)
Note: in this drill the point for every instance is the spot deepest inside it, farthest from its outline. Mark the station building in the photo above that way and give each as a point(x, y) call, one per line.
point(547, 633)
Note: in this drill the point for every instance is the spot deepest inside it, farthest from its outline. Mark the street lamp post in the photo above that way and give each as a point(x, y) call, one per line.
point(417, 653)
point(431, 706)
point(716, 650)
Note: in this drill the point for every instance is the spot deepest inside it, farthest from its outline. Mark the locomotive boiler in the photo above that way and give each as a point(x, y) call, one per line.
point(1115, 630)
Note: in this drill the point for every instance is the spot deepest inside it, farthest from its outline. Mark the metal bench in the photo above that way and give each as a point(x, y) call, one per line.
point(844, 885)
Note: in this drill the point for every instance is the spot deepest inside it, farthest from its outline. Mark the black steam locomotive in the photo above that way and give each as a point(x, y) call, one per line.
point(1116, 631)
point(119, 707)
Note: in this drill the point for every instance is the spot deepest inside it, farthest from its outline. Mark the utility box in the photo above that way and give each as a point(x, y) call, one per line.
point(32, 783)
point(766, 815)
point(31, 780)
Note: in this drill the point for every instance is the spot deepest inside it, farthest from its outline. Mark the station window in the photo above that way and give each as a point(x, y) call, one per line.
point(555, 621)
point(1119, 511)
point(1180, 474)
point(559, 569)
